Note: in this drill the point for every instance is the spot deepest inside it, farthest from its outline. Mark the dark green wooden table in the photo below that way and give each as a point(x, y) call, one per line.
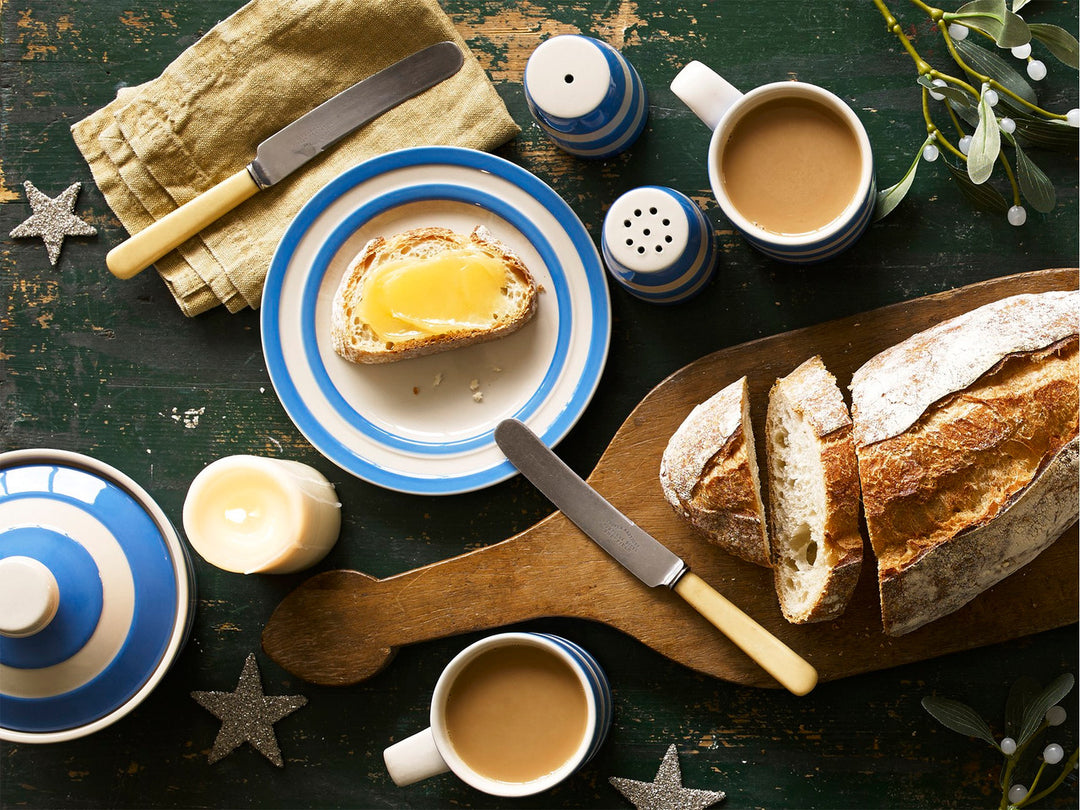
point(99, 366)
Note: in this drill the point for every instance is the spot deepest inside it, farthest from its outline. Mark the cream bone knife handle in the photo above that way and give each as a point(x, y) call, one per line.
point(644, 556)
point(775, 657)
point(147, 246)
point(290, 148)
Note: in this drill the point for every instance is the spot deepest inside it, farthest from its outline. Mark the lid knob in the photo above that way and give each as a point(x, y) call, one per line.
point(29, 596)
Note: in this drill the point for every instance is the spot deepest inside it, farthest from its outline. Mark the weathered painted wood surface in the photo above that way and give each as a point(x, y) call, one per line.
point(112, 369)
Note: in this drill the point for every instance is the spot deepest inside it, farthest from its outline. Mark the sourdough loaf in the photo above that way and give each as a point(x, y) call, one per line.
point(355, 338)
point(813, 481)
point(966, 436)
point(709, 474)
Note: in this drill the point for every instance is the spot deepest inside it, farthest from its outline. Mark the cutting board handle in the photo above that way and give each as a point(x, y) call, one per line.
point(340, 627)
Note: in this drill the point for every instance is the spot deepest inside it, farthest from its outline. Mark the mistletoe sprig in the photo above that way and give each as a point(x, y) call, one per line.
point(989, 106)
point(1029, 713)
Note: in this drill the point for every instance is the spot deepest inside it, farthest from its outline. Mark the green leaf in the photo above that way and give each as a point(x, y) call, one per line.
point(1034, 184)
point(992, 18)
point(1023, 690)
point(984, 197)
point(954, 94)
point(958, 717)
point(1055, 135)
point(889, 198)
point(1036, 710)
point(1019, 4)
point(985, 144)
point(1058, 41)
point(992, 65)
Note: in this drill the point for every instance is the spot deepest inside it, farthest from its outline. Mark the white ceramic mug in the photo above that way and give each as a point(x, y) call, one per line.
point(721, 107)
point(432, 751)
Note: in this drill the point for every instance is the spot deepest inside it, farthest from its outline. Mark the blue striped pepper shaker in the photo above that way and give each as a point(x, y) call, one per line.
point(585, 95)
point(658, 245)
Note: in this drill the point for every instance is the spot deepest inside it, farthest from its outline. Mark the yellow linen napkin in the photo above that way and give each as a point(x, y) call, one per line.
point(161, 143)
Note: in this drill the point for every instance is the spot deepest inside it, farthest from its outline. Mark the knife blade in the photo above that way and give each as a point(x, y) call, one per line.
point(645, 556)
point(287, 150)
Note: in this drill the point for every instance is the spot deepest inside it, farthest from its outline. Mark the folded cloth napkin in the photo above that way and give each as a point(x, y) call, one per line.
point(159, 144)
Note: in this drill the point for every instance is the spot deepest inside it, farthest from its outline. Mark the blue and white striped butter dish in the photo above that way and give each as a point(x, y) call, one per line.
point(96, 595)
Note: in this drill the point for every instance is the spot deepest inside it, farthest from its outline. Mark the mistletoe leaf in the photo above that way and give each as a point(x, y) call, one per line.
point(1034, 184)
point(1058, 41)
point(958, 717)
point(1036, 709)
point(1006, 28)
point(1056, 136)
point(958, 97)
point(1020, 695)
point(992, 65)
point(889, 198)
point(985, 144)
point(984, 197)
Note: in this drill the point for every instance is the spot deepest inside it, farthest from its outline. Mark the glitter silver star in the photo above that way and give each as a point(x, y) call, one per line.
point(53, 219)
point(248, 715)
point(666, 792)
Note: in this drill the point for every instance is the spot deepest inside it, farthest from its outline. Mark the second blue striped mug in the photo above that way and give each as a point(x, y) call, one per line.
point(789, 163)
point(585, 95)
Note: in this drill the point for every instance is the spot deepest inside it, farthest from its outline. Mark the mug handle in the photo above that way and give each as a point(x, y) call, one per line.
point(415, 758)
point(705, 92)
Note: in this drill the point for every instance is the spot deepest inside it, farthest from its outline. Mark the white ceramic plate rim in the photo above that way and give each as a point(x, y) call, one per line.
point(390, 424)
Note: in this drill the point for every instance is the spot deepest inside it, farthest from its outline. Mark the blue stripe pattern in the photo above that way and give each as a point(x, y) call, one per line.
point(826, 248)
point(156, 611)
point(298, 404)
point(613, 125)
point(685, 277)
point(600, 687)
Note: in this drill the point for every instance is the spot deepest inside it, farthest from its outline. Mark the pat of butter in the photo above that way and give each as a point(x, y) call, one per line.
point(412, 298)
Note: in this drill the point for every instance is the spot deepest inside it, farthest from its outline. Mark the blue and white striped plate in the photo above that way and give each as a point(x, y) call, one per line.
point(425, 425)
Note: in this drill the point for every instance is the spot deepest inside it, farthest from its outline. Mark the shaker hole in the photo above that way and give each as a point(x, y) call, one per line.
point(667, 239)
point(646, 232)
point(652, 211)
point(659, 248)
point(626, 223)
point(629, 241)
point(637, 212)
point(665, 221)
point(640, 250)
point(568, 78)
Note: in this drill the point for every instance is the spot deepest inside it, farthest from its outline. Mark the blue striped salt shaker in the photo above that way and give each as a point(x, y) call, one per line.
point(585, 95)
point(659, 245)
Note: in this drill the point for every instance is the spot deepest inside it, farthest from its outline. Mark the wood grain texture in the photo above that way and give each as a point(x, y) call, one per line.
point(341, 626)
point(111, 368)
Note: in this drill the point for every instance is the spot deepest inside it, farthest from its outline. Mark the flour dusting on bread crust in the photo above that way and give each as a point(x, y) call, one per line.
point(980, 473)
point(816, 543)
point(709, 474)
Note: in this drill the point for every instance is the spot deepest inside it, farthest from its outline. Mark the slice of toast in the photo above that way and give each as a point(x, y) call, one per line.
point(813, 479)
point(509, 301)
point(709, 474)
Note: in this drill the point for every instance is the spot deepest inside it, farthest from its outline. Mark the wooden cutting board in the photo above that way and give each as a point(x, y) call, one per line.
point(340, 627)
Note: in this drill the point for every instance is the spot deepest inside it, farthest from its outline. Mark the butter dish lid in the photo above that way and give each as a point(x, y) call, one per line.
point(96, 595)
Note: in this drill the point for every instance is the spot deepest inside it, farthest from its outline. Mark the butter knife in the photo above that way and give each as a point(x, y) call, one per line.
point(287, 150)
point(644, 556)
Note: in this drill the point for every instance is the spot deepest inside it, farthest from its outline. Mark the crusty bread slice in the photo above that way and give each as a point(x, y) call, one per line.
point(356, 340)
point(817, 547)
point(709, 474)
point(966, 435)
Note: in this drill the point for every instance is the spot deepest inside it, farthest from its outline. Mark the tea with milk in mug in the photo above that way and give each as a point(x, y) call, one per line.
point(791, 165)
point(516, 713)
